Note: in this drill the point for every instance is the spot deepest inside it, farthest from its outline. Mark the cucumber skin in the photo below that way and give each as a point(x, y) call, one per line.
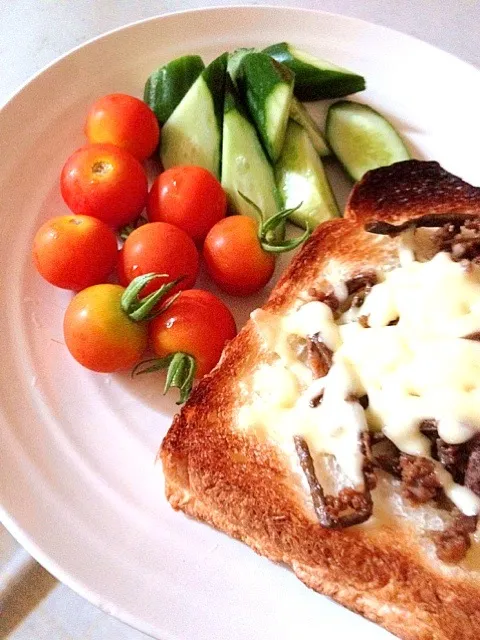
point(234, 104)
point(312, 83)
point(173, 139)
point(166, 86)
point(215, 76)
point(301, 116)
point(235, 61)
point(257, 78)
point(341, 104)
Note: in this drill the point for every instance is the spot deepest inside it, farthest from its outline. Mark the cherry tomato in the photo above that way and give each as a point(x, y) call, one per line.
point(105, 182)
point(99, 334)
point(121, 275)
point(124, 121)
point(234, 257)
point(159, 247)
point(196, 323)
point(189, 197)
point(74, 252)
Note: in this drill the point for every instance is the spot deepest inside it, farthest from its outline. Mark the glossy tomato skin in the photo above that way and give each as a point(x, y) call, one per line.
point(159, 247)
point(98, 333)
point(197, 323)
point(105, 182)
point(124, 121)
point(74, 252)
point(188, 197)
point(234, 257)
point(121, 275)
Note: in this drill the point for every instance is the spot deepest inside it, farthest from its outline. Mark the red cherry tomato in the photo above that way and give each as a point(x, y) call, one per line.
point(99, 334)
point(159, 247)
point(105, 182)
point(121, 275)
point(189, 197)
point(124, 121)
point(234, 256)
point(74, 252)
point(196, 323)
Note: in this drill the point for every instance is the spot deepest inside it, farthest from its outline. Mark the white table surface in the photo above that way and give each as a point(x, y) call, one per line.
point(32, 34)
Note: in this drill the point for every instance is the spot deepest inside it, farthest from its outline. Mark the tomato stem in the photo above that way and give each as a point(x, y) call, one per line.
point(140, 309)
point(180, 368)
point(266, 229)
point(127, 229)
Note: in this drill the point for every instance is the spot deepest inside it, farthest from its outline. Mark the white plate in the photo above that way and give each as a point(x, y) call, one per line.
point(77, 479)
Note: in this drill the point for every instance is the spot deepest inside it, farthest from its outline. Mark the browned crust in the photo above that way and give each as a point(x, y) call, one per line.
point(245, 488)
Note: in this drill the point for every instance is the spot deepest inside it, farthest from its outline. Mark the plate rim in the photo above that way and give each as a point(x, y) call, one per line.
point(249, 6)
point(7, 519)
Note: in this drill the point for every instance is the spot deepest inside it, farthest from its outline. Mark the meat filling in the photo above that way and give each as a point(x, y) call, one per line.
point(433, 220)
point(453, 543)
point(460, 236)
point(319, 356)
point(419, 483)
point(472, 473)
point(347, 508)
point(463, 242)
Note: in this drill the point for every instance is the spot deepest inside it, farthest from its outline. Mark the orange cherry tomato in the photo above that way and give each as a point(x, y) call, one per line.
point(124, 121)
point(159, 247)
point(198, 324)
point(99, 334)
point(74, 252)
point(105, 182)
point(234, 257)
point(188, 197)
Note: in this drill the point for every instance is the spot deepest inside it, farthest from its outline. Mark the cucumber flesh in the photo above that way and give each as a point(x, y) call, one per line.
point(166, 86)
point(301, 178)
point(315, 79)
point(300, 114)
point(245, 167)
point(267, 88)
point(362, 139)
point(193, 133)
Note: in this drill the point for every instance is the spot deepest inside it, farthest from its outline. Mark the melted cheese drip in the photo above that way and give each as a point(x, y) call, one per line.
point(417, 369)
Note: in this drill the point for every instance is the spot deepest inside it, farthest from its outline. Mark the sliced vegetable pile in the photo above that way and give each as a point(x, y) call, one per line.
point(242, 118)
point(233, 138)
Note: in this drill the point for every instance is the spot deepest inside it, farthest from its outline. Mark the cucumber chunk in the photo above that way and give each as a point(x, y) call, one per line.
point(362, 139)
point(168, 85)
point(267, 88)
point(300, 114)
point(193, 133)
point(235, 61)
point(245, 167)
point(315, 79)
point(301, 178)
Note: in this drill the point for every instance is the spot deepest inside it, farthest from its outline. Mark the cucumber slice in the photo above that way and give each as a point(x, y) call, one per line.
point(362, 139)
point(235, 61)
point(267, 88)
point(168, 85)
point(193, 133)
point(315, 79)
point(301, 178)
point(245, 167)
point(300, 114)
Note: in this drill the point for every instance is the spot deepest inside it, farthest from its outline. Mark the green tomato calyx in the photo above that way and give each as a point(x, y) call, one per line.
point(127, 229)
point(266, 229)
point(180, 368)
point(141, 309)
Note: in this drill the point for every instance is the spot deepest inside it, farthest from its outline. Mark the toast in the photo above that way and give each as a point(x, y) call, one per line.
point(241, 482)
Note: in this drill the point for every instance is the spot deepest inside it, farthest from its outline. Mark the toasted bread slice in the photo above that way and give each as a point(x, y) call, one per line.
point(244, 486)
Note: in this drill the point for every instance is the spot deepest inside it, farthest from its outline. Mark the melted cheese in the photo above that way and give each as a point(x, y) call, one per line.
point(419, 368)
